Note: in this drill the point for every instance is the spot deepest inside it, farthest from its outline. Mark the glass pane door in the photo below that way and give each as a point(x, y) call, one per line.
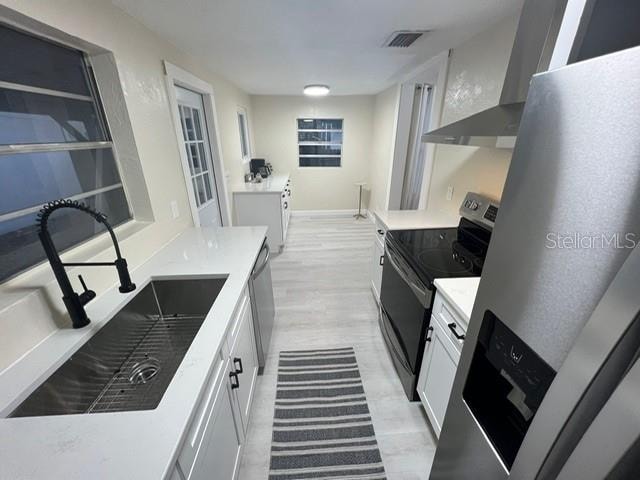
point(198, 154)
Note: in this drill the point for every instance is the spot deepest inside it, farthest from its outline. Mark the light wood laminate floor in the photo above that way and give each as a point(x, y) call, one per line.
point(323, 300)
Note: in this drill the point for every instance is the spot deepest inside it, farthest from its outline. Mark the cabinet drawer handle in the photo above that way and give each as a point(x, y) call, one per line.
point(237, 362)
point(380, 232)
point(234, 376)
point(381, 259)
point(283, 195)
point(285, 205)
point(452, 327)
point(429, 330)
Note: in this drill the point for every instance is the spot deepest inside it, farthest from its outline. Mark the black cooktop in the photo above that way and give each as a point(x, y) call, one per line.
point(443, 252)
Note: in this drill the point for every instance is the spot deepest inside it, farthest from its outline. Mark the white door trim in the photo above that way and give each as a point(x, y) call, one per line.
point(177, 76)
point(434, 73)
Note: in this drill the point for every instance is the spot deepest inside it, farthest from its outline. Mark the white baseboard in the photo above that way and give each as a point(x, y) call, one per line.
point(328, 213)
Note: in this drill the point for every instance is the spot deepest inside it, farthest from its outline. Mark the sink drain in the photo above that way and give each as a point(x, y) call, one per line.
point(144, 371)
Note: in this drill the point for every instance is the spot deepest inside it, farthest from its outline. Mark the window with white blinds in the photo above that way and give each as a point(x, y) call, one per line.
point(243, 125)
point(54, 143)
point(319, 142)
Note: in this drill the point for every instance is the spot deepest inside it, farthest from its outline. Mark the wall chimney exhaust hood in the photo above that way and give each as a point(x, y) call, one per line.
point(532, 48)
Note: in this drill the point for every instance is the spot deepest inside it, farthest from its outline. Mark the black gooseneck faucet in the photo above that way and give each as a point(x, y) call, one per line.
point(75, 302)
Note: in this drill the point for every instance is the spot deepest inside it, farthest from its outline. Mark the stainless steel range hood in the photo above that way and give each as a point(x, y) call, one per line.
point(532, 48)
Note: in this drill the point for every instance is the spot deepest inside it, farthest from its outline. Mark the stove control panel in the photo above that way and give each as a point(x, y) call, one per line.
point(480, 209)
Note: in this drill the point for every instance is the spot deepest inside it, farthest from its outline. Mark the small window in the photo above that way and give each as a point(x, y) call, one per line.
point(245, 149)
point(54, 144)
point(319, 142)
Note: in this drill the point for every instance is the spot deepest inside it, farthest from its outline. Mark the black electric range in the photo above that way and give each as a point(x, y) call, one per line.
point(413, 260)
point(443, 252)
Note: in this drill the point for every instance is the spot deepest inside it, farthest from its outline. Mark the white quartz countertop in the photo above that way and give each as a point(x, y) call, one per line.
point(272, 184)
point(460, 293)
point(414, 219)
point(127, 445)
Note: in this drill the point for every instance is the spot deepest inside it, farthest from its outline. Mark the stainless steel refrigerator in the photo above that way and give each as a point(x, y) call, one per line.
point(548, 384)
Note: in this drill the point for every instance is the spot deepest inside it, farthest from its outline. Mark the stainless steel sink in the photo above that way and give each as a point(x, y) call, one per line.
point(130, 362)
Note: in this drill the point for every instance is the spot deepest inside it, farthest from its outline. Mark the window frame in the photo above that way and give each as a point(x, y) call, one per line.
point(243, 124)
point(8, 149)
point(87, 52)
point(299, 143)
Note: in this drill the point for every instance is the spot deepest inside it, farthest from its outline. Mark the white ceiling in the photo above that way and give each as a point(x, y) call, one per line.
point(278, 46)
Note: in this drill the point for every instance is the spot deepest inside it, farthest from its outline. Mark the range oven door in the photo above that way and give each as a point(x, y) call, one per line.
point(405, 312)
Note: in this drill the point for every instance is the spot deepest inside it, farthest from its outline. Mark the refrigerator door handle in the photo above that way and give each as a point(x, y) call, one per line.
point(601, 355)
point(616, 425)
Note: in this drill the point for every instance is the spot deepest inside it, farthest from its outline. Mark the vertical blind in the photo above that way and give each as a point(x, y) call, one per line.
point(54, 143)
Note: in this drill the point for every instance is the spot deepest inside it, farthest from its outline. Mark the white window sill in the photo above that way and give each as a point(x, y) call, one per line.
point(315, 167)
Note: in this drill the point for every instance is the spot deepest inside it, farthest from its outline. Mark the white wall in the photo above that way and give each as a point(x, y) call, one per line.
point(30, 305)
point(476, 73)
point(316, 188)
point(385, 114)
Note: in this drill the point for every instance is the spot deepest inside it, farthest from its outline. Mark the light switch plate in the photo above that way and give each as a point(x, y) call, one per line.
point(175, 211)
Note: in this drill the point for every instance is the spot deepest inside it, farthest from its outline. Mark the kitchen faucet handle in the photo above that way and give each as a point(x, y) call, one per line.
point(87, 295)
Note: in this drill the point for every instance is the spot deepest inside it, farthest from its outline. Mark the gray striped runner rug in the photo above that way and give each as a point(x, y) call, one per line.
point(322, 426)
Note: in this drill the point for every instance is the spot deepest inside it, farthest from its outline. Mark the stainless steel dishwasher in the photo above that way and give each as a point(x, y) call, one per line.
point(262, 304)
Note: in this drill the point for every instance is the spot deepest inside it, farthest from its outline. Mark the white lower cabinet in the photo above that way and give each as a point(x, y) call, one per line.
point(218, 454)
point(377, 260)
point(376, 268)
point(244, 358)
point(214, 441)
point(286, 210)
point(439, 364)
point(268, 207)
point(436, 376)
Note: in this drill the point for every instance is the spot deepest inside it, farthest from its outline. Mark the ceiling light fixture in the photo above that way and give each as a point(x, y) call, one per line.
point(316, 90)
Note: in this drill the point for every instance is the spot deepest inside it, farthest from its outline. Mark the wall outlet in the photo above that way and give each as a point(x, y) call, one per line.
point(450, 192)
point(175, 211)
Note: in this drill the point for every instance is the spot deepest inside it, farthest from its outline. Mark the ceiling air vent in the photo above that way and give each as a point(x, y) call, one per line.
point(404, 38)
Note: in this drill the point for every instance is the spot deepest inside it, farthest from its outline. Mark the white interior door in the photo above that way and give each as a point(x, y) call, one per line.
point(198, 155)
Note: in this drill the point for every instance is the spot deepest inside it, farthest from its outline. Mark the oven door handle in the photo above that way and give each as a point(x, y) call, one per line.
point(424, 296)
